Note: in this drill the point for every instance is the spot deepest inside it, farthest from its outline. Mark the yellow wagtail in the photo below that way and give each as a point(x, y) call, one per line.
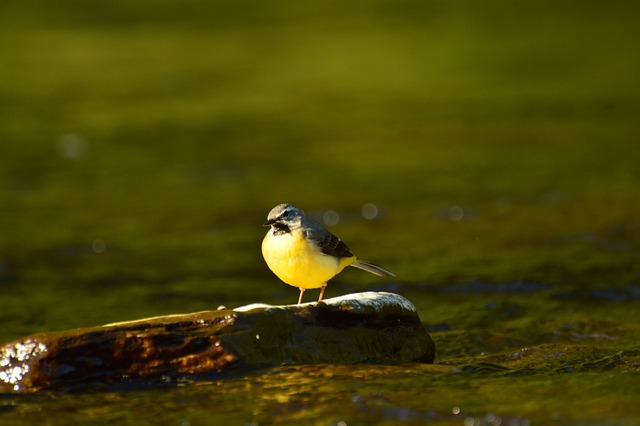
point(304, 254)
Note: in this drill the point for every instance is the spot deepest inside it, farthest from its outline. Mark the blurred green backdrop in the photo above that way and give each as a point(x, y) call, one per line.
point(142, 145)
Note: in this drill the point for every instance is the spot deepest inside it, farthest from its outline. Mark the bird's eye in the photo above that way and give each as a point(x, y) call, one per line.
point(285, 214)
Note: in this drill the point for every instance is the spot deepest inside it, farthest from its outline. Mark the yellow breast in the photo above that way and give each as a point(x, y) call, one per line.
point(299, 262)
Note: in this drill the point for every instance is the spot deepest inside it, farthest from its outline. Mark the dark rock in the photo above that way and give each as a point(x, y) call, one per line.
point(357, 328)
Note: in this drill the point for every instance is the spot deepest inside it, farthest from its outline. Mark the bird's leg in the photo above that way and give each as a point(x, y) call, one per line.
point(301, 293)
point(322, 291)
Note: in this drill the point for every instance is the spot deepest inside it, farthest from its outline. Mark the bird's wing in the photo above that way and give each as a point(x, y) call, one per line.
point(334, 246)
point(327, 242)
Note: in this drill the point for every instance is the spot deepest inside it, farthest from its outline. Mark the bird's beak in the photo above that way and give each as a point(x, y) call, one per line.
point(269, 222)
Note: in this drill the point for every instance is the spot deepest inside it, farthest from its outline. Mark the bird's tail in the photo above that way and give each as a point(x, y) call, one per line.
point(370, 267)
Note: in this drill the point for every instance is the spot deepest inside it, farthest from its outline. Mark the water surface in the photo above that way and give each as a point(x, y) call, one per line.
point(142, 146)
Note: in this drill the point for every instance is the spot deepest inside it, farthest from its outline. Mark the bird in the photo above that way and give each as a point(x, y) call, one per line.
point(304, 254)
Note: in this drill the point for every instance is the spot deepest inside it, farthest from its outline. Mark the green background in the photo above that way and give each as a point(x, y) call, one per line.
point(143, 143)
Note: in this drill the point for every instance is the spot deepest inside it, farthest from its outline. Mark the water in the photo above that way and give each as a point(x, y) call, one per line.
point(486, 155)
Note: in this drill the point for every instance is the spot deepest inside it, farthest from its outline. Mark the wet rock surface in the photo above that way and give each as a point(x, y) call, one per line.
point(357, 328)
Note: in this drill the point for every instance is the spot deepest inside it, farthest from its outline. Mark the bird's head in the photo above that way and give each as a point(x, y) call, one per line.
point(284, 217)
